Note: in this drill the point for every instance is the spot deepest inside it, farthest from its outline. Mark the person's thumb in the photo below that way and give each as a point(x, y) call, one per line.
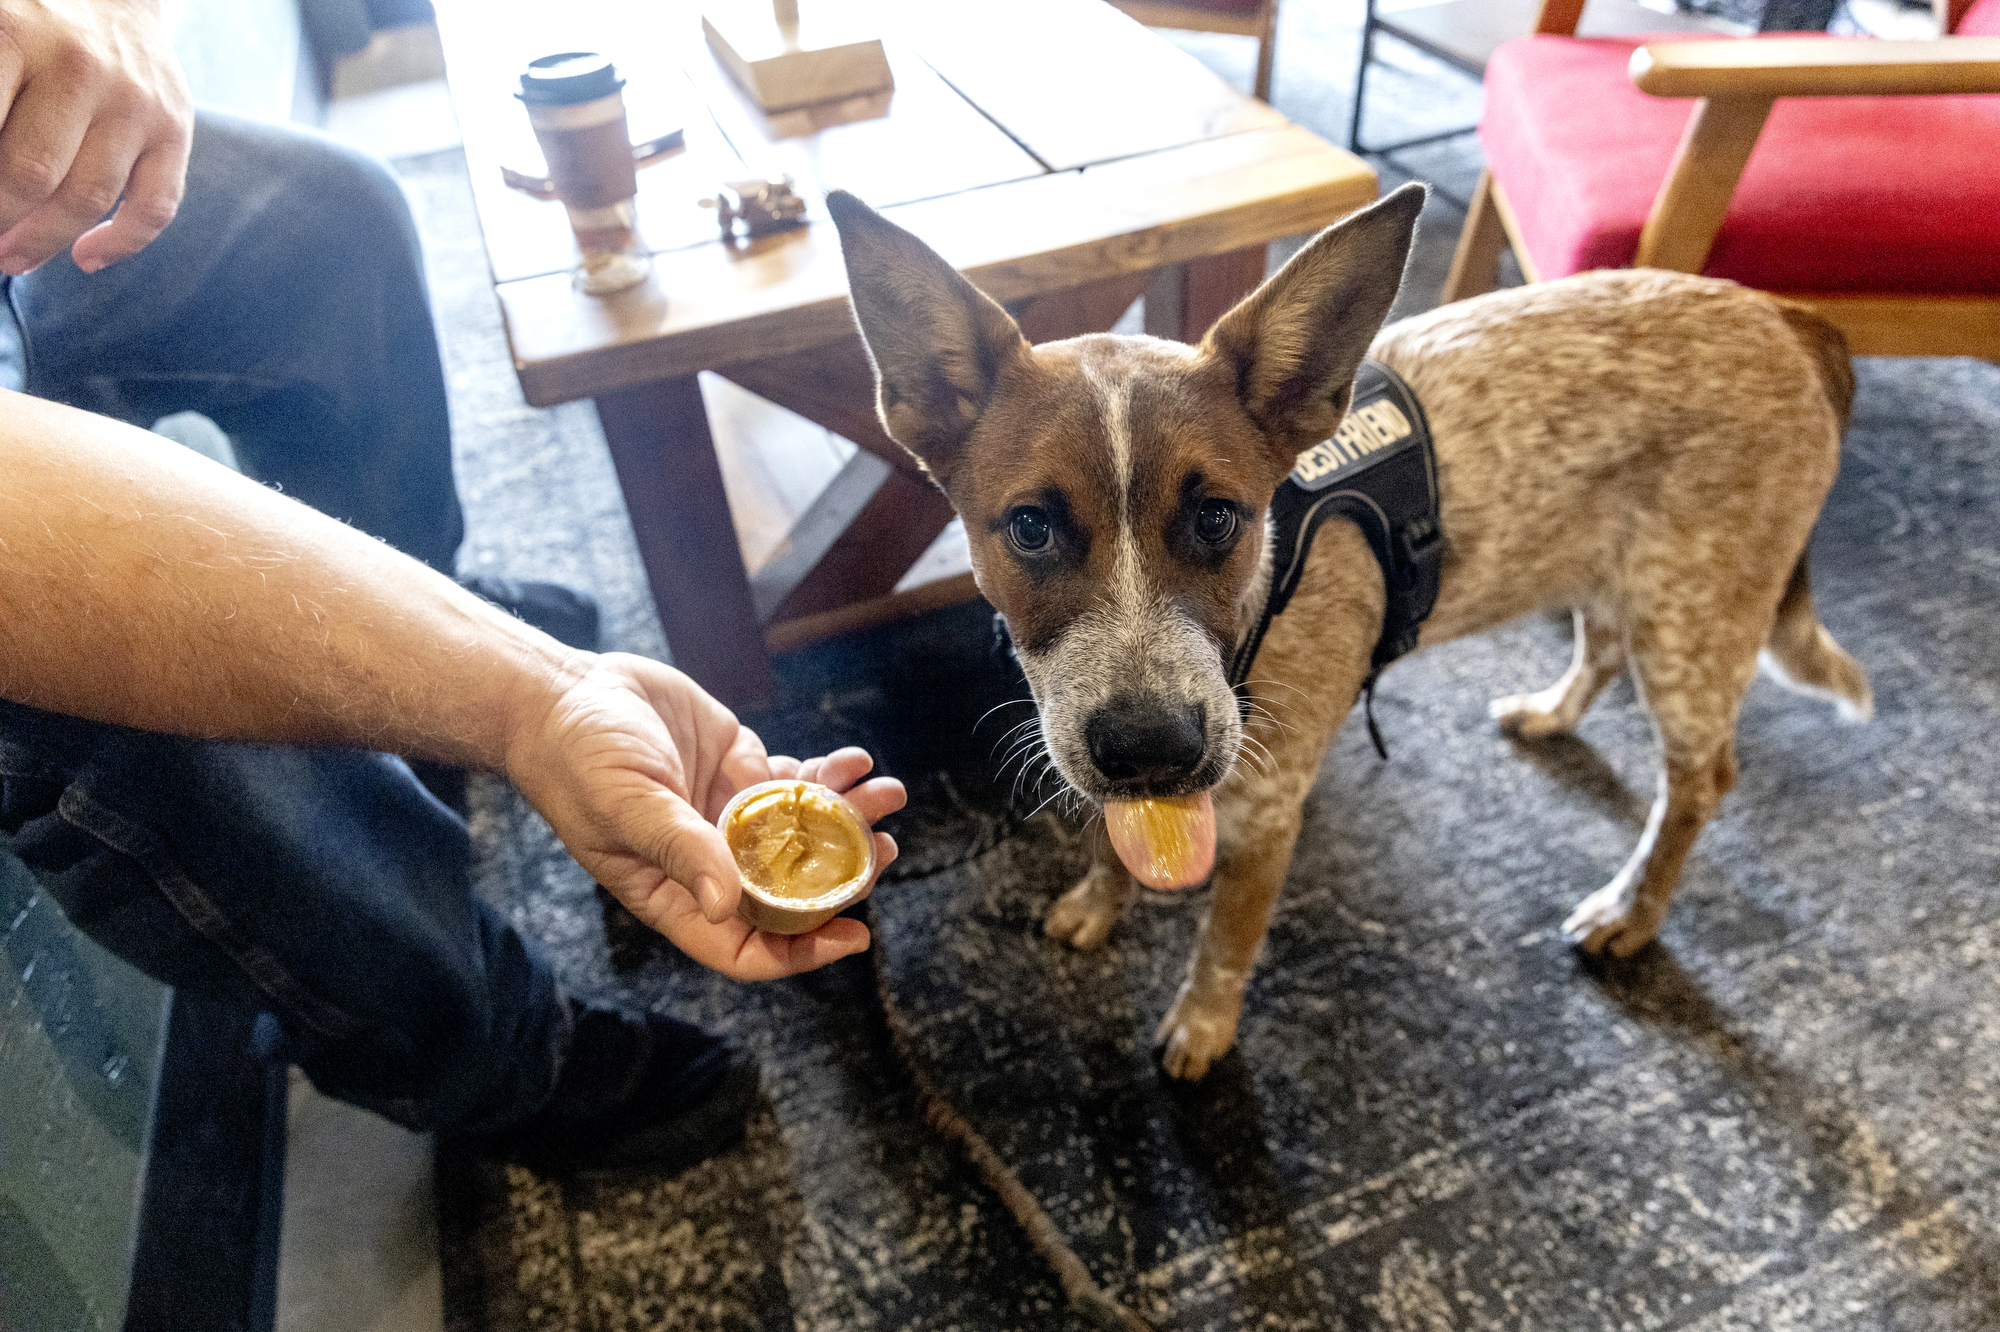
point(694, 854)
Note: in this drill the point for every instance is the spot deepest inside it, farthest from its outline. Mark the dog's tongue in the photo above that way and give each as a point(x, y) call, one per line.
point(1167, 842)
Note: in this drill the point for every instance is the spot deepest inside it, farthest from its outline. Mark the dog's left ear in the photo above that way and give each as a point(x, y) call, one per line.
point(1295, 342)
point(938, 343)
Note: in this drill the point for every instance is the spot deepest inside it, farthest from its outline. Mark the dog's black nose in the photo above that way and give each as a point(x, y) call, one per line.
point(1147, 740)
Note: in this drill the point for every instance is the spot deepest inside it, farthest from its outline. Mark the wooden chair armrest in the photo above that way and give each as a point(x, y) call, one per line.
point(1818, 67)
point(1560, 17)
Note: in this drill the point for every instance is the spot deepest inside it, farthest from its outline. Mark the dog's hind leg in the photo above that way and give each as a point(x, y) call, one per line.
point(1692, 676)
point(1802, 656)
point(1599, 657)
point(1085, 914)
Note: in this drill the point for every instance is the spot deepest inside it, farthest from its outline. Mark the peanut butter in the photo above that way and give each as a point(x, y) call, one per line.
point(797, 842)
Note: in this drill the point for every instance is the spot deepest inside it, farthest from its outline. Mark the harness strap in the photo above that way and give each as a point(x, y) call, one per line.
point(1379, 471)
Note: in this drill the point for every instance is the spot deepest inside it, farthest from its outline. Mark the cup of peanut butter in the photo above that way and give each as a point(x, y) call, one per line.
point(802, 851)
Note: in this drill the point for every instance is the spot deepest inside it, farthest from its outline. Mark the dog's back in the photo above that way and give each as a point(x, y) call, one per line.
point(1593, 428)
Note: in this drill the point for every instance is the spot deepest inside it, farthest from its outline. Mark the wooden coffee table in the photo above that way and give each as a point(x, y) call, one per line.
point(1062, 156)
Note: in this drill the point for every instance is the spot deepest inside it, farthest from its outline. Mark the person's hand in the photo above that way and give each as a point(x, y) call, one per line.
point(94, 114)
point(631, 767)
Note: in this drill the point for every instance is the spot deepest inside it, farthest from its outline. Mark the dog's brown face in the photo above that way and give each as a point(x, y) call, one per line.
point(1114, 488)
point(1116, 522)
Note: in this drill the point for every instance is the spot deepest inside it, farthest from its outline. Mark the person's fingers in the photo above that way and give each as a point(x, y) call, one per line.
point(886, 852)
point(737, 951)
point(97, 177)
point(844, 767)
point(691, 851)
point(783, 768)
point(152, 198)
point(769, 956)
point(39, 140)
point(878, 797)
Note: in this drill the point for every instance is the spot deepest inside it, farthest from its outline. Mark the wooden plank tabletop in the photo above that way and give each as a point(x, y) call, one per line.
point(922, 139)
point(712, 305)
point(1078, 83)
point(981, 149)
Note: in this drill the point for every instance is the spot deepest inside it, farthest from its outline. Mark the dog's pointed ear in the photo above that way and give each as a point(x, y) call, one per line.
point(1294, 344)
point(937, 342)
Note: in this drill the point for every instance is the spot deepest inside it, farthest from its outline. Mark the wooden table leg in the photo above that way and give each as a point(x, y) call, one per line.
point(673, 489)
point(1184, 299)
point(880, 542)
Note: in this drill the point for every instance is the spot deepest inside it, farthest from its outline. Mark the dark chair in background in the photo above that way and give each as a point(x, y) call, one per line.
point(1465, 33)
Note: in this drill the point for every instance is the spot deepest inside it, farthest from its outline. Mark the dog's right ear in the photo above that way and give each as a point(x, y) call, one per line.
point(1293, 345)
point(937, 342)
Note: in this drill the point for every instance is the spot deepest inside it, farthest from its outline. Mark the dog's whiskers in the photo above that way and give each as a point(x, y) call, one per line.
point(1032, 768)
point(1028, 768)
point(1259, 714)
point(1276, 702)
point(1010, 703)
point(1036, 762)
point(1013, 732)
point(1053, 795)
point(1260, 758)
point(1025, 745)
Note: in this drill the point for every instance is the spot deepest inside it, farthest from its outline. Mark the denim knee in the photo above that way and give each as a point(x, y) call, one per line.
point(325, 886)
point(345, 206)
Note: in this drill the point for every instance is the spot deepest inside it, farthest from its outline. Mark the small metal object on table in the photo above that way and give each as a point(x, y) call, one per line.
point(1062, 155)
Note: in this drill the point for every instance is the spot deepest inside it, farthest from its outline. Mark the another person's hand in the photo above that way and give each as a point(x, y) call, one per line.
point(94, 113)
point(633, 765)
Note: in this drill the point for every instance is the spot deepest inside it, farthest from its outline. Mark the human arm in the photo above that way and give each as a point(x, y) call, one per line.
point(143, 585)
point(93, 107)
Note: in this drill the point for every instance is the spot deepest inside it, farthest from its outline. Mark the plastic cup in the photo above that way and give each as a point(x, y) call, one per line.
point(765, 905)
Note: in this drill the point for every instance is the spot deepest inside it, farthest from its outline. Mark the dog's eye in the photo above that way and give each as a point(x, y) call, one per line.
point(1029, 530)
point(1215, 522)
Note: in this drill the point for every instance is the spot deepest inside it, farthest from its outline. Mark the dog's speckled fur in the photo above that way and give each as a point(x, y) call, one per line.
point(1649, 449)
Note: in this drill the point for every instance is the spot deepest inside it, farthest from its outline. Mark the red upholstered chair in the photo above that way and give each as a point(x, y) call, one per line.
point(1857, 190)
point(1251, 18)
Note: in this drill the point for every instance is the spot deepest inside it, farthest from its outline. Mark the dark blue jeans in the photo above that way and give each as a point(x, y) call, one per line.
point(323, 885)
point(287, 303)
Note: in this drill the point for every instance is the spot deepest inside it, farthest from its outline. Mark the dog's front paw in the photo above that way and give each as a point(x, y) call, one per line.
point(1084, 915)
point(1533, 716)
point(1613, 917)
point(1193, 1036)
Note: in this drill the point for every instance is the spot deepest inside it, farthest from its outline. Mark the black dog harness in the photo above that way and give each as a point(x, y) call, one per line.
point(1380, 470)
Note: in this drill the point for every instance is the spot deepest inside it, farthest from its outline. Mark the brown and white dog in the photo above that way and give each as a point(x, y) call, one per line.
point(1649, 449)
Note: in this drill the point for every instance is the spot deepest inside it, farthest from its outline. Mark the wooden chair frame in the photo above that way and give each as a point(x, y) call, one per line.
point(1736, 82)
point(1263, 25)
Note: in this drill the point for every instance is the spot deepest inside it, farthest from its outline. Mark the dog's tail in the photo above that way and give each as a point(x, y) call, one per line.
point(1802, 656)
point(1827, 346)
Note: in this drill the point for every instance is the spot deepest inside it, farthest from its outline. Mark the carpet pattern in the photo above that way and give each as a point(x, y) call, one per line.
point(1439, 1117)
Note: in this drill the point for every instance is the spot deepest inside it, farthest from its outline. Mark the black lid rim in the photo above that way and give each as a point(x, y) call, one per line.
point(587, 85)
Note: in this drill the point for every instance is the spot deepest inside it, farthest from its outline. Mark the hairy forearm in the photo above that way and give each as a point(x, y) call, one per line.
point(144, 585)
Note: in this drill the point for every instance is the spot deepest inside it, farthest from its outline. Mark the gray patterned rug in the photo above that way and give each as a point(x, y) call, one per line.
point(1439, 1117)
